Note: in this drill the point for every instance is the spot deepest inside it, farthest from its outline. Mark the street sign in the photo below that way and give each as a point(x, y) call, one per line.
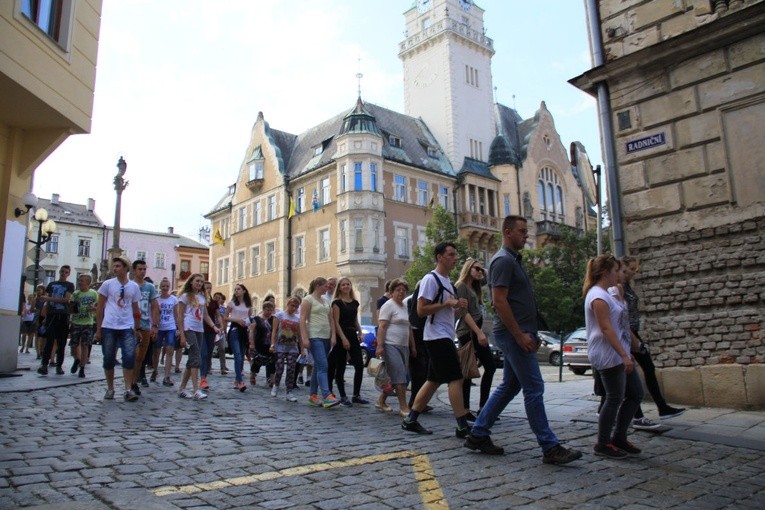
point(32, 251)
point(29, 272)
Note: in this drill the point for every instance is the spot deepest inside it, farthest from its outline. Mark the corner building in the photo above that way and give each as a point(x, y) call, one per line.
point(687, 100)
point(364, 182)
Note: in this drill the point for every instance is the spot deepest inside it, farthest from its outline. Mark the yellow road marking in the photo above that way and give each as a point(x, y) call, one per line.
point(427, 484)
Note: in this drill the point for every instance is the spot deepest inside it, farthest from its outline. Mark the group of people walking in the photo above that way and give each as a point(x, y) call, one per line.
point(322, 332)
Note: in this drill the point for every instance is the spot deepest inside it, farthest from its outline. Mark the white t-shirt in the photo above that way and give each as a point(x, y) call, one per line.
point(442, 325)
point(167, 312)
point(240, 312)
point(398, 323)
point(600, 353)
point(118, 312)
point(193, 315)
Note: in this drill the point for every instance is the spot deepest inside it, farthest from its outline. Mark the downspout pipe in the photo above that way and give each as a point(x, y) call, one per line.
point(288, 193)
point(607, 129)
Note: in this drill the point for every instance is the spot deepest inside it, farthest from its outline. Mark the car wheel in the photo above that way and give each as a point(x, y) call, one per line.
point(579, 371)
point(364, 357)
point(555, 359)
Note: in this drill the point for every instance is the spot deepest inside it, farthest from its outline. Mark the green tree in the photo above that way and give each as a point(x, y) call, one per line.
point(557, 273)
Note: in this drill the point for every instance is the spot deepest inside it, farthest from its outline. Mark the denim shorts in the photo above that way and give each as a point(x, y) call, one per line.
point(193, 344)
point(111, 340)
point(165, 338)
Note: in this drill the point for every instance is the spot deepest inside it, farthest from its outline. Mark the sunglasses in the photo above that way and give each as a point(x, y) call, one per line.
point(122, 292)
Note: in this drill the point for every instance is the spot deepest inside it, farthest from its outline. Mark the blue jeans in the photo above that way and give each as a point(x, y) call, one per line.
point(208, 344)
point(237, 350)
point(319, 350)
point(124, 339)
point(521, 371)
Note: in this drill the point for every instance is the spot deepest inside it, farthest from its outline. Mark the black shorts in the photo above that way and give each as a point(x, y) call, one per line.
point(444, 365)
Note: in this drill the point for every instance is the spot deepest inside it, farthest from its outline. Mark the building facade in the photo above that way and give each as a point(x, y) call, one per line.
point(687, 100)
point(48, 53)
point(363, 184)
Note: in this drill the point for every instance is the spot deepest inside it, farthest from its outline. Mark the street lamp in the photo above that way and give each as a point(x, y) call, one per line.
point(45, 229)
point(119, 186)
point(29, 200)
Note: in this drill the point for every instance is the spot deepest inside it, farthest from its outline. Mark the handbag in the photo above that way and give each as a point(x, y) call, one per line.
point(468, 363)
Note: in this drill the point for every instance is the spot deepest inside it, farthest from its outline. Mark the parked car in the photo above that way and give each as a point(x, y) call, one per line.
point(549, 348)
point(575, 352)
point(369, 343)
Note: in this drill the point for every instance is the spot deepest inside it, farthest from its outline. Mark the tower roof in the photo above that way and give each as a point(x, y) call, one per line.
point(360, 121)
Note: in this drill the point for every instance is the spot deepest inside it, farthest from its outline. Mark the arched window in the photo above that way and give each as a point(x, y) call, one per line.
point(559, 200)
point(541, 194)
point(550, 193)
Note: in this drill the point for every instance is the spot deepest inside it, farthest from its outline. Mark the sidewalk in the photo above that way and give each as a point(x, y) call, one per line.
point(569, 401)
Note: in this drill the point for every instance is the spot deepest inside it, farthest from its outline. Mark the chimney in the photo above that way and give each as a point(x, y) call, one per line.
point(170, 230)
point(54, 199)
point(91, 205)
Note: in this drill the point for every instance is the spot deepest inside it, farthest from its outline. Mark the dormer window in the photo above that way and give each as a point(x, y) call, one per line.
point(318, 150)
point(394, 141)
point(432, 152)
point(256, 165)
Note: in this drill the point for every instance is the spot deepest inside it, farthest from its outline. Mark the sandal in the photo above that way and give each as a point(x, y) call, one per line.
point(383, 407)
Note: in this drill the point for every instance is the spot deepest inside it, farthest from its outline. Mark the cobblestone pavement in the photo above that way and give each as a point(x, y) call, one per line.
point(65, 447)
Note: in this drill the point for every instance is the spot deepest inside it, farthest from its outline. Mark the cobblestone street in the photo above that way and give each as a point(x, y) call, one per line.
point(65, 447)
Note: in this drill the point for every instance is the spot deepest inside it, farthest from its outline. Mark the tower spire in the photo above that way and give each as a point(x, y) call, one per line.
point(359, 76)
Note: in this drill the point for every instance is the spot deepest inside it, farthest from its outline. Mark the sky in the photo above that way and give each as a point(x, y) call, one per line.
point(179, 84)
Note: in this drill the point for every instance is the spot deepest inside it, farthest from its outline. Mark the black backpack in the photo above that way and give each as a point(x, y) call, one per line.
point(415, 320)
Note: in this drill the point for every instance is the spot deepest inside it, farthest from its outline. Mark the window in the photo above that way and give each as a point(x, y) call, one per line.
point(373, 176)
point(223, 271)
point(541, 194)
point(422, 239)
point(444, 197)
point(426, 23)
point(185, 268)
point(83, 248)
point(358, 228)
point(255, 252)
point(300, 206)
point(343, 178)
point(52, 245)
point(399, 188)
point(402, 242)
point(271, 208)
point(376, 234)
point(140, 255)
point(318, 149)
point(270, 257)
point(559, 200)
point(50, 277)
point(256, 169)
point(52, 16)
point(343, 235)
point(204, 268)
point(242, 218)
point(159, 260)
point(549, 192)
point(299, 251)
point(357, 177)
point(422, 193)
point(507, 204)
point(432, 152)
point(323, 244)
point(258, 213)
point(325, 191)
point(471, 75)
point(481, 201)
point(472, 204)
point(394, 141)
point(240, 262)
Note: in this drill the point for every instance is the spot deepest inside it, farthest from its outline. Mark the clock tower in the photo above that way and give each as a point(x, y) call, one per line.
point(447, 76)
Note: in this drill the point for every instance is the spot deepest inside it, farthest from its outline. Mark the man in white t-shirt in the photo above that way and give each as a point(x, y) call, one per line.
point(437, 299)
point(117, 319)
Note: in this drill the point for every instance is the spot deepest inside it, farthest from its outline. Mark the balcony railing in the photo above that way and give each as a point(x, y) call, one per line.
point(484, 221)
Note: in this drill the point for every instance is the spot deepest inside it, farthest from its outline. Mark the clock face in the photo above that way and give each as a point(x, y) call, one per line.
point(424, 5)
point(466, 4)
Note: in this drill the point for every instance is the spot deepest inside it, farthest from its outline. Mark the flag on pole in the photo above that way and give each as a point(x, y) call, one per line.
point(315, 200)
point(217, 237)
point(292, 208)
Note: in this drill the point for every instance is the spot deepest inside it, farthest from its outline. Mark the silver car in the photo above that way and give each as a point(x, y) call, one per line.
point(575, 352)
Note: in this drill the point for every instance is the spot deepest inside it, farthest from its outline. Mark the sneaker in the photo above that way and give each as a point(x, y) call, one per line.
point(462, 432)
point(414, 426)
point(200, 395)
point(307, 383)
point(59, 370)
point(186, 394)
point(75, 365)
point(470, 417)
point(626, 446)
point(43, 370)
point(359, 400)
point(242, 387)
point(609, 451)
point(345, 402)
point(483, 444)
point(274, 390)
point(177, 370)
point(330, 401)
point(645, 424)
point(136, 389)
point(671, 412)
point(203, 384)
point(153, 377)
point(109, 395)
point(144, 382)
point(167, 382)
point(130, 396)
point(290, 397)
point(560, 455)
point(314, 401)
point(300, 379)
point(82, 372)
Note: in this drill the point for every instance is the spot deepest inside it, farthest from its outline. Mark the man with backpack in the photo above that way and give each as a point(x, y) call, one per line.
point(437, 303)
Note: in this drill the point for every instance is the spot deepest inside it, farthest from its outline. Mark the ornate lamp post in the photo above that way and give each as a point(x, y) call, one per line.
point(119, 186)
point(45, 229)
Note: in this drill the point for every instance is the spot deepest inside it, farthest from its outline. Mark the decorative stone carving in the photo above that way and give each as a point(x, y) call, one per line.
point(528, 209)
